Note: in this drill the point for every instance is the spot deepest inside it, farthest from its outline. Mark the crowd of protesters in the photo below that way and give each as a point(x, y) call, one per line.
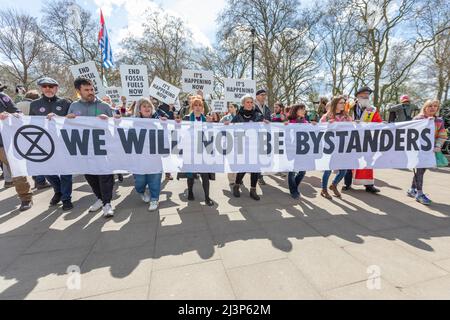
point(148, 186)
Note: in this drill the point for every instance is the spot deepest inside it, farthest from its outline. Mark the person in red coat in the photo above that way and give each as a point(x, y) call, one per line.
point(363, 112)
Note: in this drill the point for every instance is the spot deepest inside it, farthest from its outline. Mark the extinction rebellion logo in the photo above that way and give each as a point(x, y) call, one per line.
point(34, 144)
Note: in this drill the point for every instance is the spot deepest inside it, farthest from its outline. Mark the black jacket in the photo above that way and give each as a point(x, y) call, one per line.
point(44, 106)
point(254, 116)
point(6, 105)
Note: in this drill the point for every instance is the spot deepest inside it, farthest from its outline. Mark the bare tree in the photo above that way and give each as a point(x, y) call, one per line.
point(20, 45)
point(165, 46)
point(75, 43)
point(376, 24)
point(273, 21)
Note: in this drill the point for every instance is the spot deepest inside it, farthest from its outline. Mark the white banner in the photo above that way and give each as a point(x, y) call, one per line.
point(164, 91)
point(89, 71)
point(219, 106)
point(134, 82)
point(115, 93)
point(87, 145)
point(235, 89)
point(194, 80)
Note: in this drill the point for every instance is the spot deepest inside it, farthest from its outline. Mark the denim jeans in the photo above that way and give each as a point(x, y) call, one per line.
point(326, 176)
point(39, 179)
point(153, 181)
point(294, 180)
point(61, 184)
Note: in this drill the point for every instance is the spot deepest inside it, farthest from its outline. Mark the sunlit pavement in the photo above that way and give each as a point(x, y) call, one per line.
point(362, 246)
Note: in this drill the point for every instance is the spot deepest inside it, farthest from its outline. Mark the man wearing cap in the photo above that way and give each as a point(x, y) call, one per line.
point(21, 184)
point(50, 105)
point(405, 111)
point(362, 111)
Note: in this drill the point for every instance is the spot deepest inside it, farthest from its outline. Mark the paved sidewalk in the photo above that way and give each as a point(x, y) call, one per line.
point(277, 248)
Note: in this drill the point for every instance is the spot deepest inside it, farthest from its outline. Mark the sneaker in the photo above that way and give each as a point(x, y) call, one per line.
point(41, 186)
point(108, 211)
point(8, 185)
point(145, 197)
point(423, 199)
point(209, 202)
point(153, 205)
point(337, 194)
point(347, 188)
point(26, 205)
point(56, 199)
point(412, 193)
point(67, 205)
point(96, 206)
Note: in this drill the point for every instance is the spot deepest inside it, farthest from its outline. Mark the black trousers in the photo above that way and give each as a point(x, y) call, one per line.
point(253, 179)
point(205, 184)
point(102, 186)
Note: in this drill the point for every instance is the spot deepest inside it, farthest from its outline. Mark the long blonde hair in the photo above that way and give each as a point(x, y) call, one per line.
point(428, 104)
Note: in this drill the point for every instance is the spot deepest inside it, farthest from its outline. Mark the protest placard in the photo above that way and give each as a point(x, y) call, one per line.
point(194, 80)
point(164, 91)
point(115, 93)
point(235, 89)
point(88, 70)
point(134, 82)
point(219, 106)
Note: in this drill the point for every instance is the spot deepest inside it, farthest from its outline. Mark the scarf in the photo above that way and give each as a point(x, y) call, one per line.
point(192, 117)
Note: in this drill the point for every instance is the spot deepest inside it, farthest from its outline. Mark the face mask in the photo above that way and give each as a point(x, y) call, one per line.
point(364, 103)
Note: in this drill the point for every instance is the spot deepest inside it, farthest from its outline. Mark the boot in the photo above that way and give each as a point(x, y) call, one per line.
point(236, 191)
point(56, 199)
point(254, 195)
point(26, 205)
point(325, 194)
point(334, 188)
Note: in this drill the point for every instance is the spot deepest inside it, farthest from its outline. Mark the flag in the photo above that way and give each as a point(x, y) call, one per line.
point(105, 45)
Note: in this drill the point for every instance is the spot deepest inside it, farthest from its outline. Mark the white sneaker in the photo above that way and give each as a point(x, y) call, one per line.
point(108, 211)
point(153, 206)
point(145, 197)
point(96, 206)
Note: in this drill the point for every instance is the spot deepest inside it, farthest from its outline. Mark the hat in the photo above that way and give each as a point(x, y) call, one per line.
point(48, 81)
point(260, 92)
point(364, 89)
point(404, 99)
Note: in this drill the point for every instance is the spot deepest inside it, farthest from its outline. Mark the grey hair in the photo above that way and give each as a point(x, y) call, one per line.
point(247, 96)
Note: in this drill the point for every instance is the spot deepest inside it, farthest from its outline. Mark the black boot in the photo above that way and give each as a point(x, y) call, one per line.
point(190, 189)
point(236, 191)
point(372, 189)
point(56, 199)
point(67, 205)
point(209, 202)
point(254, 195)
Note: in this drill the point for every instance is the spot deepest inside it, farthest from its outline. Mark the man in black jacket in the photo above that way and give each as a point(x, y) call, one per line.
point(51, 105)
point(21, 184)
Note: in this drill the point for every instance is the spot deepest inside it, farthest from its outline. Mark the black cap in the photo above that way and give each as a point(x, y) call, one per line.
point(364, 89)
point(260, 92)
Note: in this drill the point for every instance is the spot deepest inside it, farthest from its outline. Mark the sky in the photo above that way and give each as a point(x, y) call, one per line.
point(125, 16)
